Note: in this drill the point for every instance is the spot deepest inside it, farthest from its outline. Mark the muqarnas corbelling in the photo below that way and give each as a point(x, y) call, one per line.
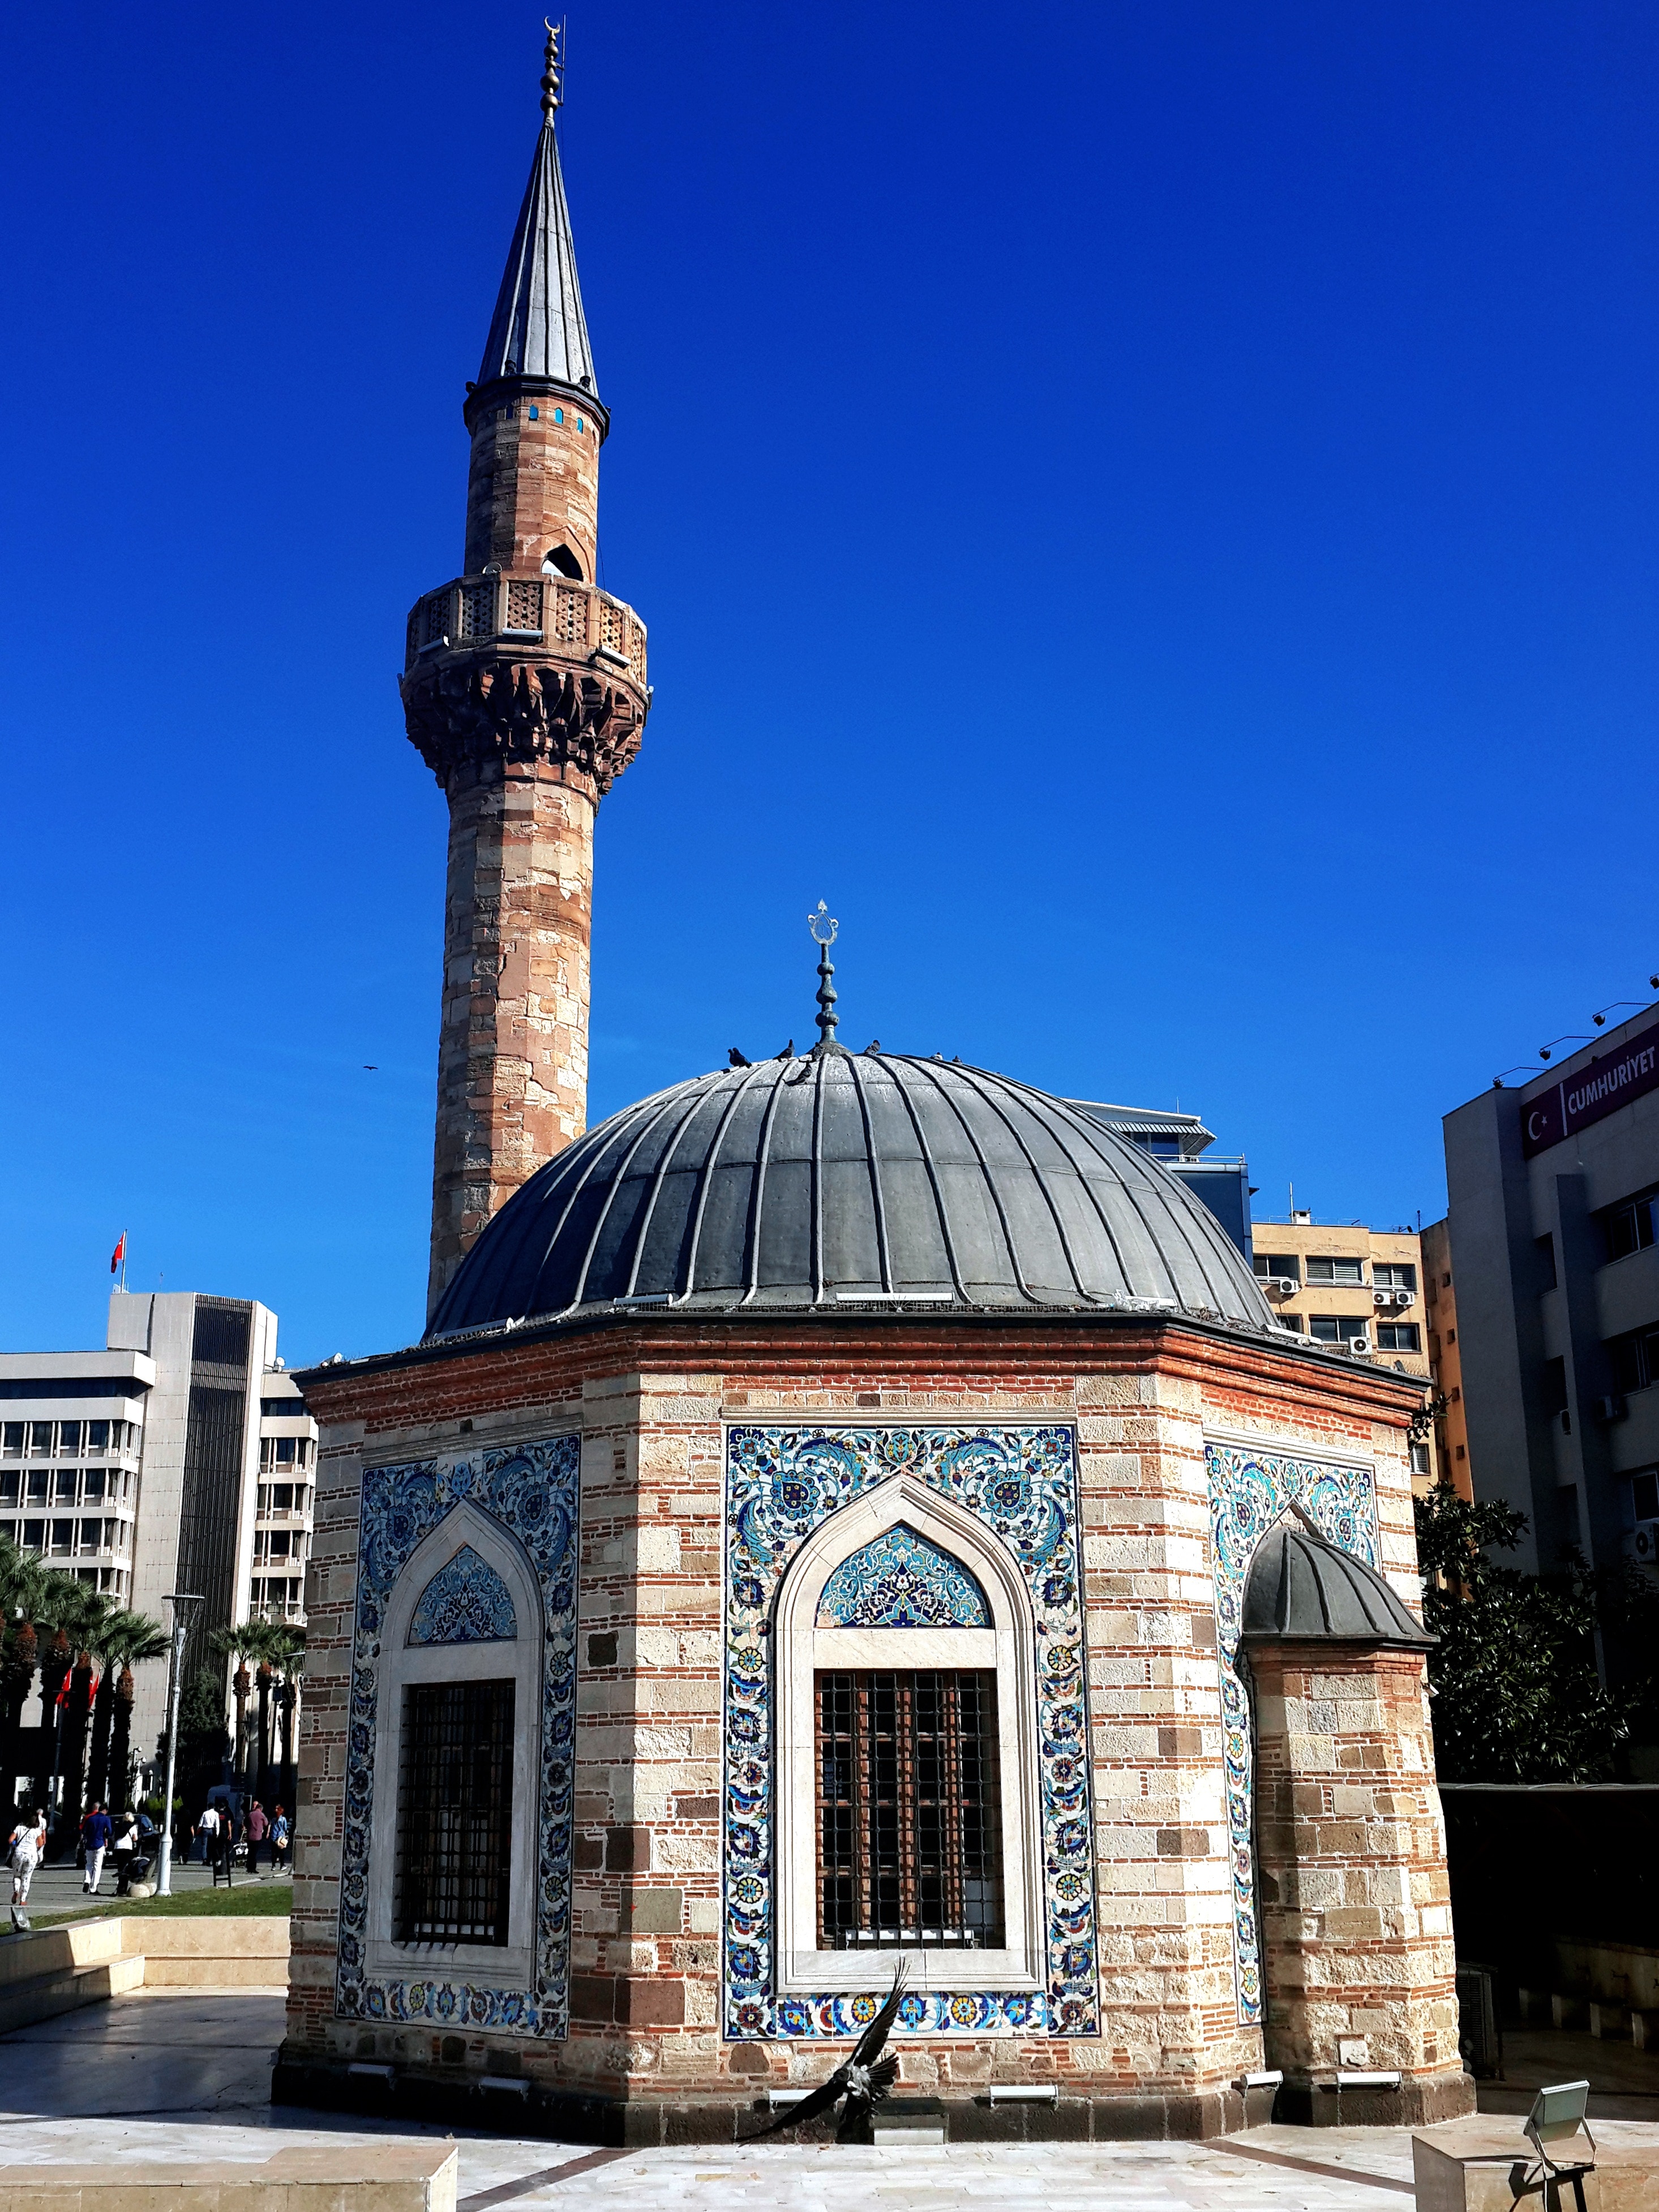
point(468, 715)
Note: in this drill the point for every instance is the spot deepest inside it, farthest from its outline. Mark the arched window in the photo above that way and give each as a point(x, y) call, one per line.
point(452, 1848)
point(909, 1815)
point(560, 561)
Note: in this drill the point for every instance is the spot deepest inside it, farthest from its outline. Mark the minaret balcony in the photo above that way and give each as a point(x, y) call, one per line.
point(529, 615)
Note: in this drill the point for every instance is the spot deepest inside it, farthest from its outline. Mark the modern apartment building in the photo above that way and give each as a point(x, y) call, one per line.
point(1341, 1283)
point(1553, 1191)
point(180, 1458)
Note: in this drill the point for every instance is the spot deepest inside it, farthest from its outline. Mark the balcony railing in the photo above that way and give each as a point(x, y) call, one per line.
point(577, 621)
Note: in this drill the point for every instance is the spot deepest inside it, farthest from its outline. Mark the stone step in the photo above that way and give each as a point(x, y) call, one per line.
point(387, 2177)
point(64, 1989)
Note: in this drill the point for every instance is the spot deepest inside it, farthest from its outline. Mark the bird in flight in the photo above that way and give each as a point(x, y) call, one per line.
point(371, 1067)
point(864, 2078)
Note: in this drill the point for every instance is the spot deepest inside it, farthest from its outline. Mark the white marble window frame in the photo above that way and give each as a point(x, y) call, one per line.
point(1008, 1647)
point(505, 1966)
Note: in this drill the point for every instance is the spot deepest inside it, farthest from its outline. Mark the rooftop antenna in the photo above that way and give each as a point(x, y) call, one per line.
point(552, 78)
point(822, 926)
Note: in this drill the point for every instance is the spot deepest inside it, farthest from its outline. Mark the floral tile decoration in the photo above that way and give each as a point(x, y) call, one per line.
point(531, 1490)
point(902, 1580)
point(1248, 1492)
point(465, 1602)
point(780, 1485)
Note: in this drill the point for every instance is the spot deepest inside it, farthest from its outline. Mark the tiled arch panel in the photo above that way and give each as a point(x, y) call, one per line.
point(1249, 1491)
point(531, 1490)
point(1021, 1482)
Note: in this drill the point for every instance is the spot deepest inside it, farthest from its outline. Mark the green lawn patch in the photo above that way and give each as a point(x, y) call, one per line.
point(244, 1897)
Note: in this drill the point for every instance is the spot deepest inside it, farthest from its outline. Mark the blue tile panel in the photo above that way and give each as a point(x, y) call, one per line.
point(780, 1485)
point(1249, 1491)
point(902, 1580)
point(465, 1602)
point(531, 1490)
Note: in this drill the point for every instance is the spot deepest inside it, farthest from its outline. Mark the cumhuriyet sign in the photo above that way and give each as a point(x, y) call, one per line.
point(1592, 1093)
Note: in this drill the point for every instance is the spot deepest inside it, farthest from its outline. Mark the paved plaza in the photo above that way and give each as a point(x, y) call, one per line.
point(187, 2076)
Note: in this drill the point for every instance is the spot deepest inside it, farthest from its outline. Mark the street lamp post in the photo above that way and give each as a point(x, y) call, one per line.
point(178, 1600)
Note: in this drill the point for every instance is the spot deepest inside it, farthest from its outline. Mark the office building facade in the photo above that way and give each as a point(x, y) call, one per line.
point(1451, 1433)
point(181, 1457)
point(1553, 1189)
point(71, 1441)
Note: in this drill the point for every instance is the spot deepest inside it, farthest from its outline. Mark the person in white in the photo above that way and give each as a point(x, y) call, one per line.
point(29, 1843)
point(208, 1829)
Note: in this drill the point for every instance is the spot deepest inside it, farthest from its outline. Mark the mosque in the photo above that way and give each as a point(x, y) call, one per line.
point(845, 1510)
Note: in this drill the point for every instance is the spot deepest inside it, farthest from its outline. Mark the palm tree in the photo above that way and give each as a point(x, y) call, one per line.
point(22, 1583)
point(127, 1638)
point(286, 1648)
point(270, 1644)
point(83, 1618)
point(241, 1644)
point(17, 1665)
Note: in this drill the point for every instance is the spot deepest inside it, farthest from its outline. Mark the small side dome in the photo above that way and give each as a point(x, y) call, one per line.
point(1303, 1589)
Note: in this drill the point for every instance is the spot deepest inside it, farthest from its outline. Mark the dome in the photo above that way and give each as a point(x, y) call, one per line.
point(1301, 1588)
point(834, 1180)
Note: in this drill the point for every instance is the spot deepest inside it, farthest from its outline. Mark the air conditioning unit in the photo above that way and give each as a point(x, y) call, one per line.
point(1644, 1545)
point(1382, 1298)
point(1360, 1344)
point(1283, 1287)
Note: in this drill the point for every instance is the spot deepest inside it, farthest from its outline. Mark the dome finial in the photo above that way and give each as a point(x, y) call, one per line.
point(552, 81)
point(824, 925)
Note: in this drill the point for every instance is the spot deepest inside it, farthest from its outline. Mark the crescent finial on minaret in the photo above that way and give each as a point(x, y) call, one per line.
point(552, 84)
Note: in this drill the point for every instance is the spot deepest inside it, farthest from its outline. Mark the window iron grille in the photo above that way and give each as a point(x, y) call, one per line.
point(908, 1841)
point(455, 1806)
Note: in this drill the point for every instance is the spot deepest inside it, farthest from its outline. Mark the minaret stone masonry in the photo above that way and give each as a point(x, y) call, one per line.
point(524, 691)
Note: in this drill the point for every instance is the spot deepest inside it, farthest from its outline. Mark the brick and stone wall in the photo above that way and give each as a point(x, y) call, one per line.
point(513, 1035)
point(1356, 1907)
point(651, 1402)
point(532, 485)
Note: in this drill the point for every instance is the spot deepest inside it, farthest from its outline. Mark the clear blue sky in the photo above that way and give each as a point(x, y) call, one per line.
point(1149, 510)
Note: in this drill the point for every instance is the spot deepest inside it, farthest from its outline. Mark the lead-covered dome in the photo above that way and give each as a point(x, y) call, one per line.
point(839, 1180)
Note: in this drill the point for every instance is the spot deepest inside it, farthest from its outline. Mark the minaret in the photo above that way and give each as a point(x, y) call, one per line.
point(525, 690)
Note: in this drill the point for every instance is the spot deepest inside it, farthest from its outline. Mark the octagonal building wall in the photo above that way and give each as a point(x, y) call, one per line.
point(646, 2036)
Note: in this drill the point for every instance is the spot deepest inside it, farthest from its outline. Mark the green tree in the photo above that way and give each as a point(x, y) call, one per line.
point(1516, 1692)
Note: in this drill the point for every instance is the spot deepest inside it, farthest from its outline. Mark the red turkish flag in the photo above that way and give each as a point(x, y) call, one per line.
point(119, 1253)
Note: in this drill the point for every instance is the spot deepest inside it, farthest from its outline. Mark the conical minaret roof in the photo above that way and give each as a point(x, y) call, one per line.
point(538, 328)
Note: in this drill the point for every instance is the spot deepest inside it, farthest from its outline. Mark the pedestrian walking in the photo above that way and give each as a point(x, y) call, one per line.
point(28, 1842)
point(214, 1829)
point(257, 1829)
point(95, 1833)
point(125, 1843)
point(279, 1838)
